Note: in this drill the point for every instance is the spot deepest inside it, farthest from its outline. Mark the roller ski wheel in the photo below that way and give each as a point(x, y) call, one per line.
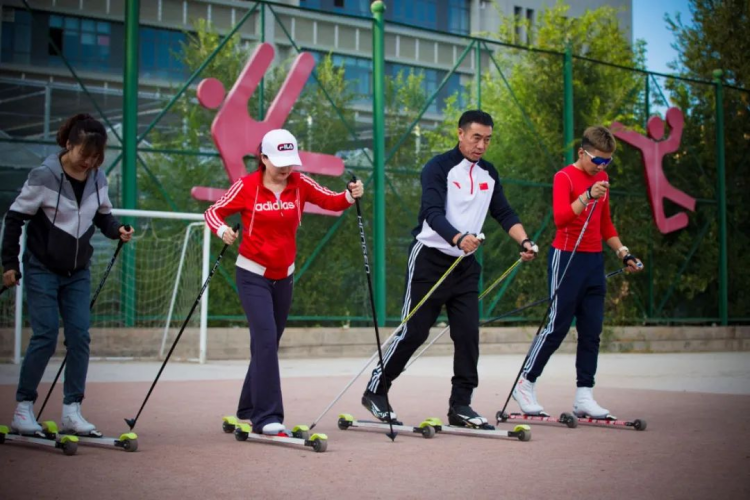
point(242, 432)
point(428, 432)
point(568, 419)
point(522, 432)
point(345, 421)
point(639, 424)
point(301, 432)
point(228, 424)
point(501, 416)
point(69, 448)
point(320, 444)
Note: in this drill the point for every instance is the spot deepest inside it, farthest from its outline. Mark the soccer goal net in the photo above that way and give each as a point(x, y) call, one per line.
point(148, 293)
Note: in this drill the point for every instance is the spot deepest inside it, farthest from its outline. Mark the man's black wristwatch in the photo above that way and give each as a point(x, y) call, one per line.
point(523, 249)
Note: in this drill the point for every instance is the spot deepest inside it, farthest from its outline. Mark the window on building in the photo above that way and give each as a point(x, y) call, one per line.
point(358, 75)
point(458, 16)
point(421, 13)
point(16, 38)
point(529, 24)
point(517, 15)
point(338, 3)
point(158, 48)
point(431, 81)
point(310, 4)
point(84, 42)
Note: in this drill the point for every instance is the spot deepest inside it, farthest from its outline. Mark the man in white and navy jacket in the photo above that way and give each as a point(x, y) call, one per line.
point(458, 188)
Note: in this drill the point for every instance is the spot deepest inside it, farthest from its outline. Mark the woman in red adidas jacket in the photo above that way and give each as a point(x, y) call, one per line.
point(271, 201)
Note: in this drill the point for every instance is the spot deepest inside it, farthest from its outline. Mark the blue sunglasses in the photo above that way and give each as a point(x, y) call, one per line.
point(598, 160)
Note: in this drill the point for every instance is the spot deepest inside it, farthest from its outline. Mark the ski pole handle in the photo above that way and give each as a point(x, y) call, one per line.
point(18, 278)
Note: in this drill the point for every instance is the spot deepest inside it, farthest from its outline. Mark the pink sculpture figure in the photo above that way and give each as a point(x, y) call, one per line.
point(653, 150)
point(236, 134)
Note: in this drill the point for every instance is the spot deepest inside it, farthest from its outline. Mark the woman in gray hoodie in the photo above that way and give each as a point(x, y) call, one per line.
point(62, 201)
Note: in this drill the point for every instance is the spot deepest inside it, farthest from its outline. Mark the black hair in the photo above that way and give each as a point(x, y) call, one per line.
point(475, 116)
point(259, 155)
point(83, 129)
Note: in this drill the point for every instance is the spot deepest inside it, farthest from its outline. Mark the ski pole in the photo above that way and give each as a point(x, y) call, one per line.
point(622, 270)
point(132, 421)
point(396, 331)
point(363, 241)
point(18, 278)
point(552, 299)
point(91, 307)
point(541, 301)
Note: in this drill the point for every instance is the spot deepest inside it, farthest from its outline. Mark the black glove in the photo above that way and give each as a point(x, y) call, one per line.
point(628, 258)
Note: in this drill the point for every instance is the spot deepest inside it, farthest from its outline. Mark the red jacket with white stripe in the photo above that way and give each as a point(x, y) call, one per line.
point(269, 224)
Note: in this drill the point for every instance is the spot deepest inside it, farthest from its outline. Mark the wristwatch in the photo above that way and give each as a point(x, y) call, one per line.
point(621, 249)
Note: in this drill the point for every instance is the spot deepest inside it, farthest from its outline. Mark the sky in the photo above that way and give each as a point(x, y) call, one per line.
point(649, 25)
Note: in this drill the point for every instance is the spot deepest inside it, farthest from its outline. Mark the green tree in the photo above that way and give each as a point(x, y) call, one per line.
point(714, 41)
point(523, 90)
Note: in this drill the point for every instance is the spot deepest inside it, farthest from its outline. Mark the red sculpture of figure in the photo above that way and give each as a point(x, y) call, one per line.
point(653, 150)
point(236, 134)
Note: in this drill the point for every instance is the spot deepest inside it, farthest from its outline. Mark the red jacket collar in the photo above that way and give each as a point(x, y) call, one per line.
point(256, 179)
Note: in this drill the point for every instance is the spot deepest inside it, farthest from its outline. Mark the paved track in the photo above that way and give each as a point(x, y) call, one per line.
point(697, 444)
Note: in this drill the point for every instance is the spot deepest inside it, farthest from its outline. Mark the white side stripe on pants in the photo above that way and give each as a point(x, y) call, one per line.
point(539, 341)
point(411, 264)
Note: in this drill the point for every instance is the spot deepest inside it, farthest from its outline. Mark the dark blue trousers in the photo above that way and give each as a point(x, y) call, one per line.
point(266, 303)
point(49, 296)
point(581, 296)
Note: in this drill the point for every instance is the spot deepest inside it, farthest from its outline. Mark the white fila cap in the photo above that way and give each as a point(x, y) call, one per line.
point(281, 148)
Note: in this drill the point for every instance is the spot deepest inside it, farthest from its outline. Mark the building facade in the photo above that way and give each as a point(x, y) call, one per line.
point(90, 34)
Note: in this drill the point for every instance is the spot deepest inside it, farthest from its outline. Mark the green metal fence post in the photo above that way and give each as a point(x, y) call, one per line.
point(721, 200)
point(478, 82)
point(650, 267)
point(130, 151)
point(478, 68)
point(568, 131)
point(262, 86)
point(378, 139)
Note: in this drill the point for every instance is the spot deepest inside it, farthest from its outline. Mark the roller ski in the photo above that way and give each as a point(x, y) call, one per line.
point(463, 420)
point(588, 411)
point(524, 393)
point(567, 419)
point(425, 429)
point(74, 425)
point(25, 429)
point(276, 434)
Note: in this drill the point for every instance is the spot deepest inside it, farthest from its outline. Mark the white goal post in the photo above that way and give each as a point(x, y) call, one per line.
point(164, 300)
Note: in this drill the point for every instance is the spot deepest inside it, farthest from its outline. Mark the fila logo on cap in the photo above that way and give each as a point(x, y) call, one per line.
point(287, 146)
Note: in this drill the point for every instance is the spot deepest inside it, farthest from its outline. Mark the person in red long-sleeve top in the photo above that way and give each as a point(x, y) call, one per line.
point(577, 190)
point(270, 201)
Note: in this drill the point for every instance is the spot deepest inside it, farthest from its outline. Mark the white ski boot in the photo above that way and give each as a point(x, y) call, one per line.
point(525, 395)
point(273, 429)
point(24, 421)
point(586, 405)
point(72, 422)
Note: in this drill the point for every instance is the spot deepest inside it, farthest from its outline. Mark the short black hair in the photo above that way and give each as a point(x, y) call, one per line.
point(475, 116)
